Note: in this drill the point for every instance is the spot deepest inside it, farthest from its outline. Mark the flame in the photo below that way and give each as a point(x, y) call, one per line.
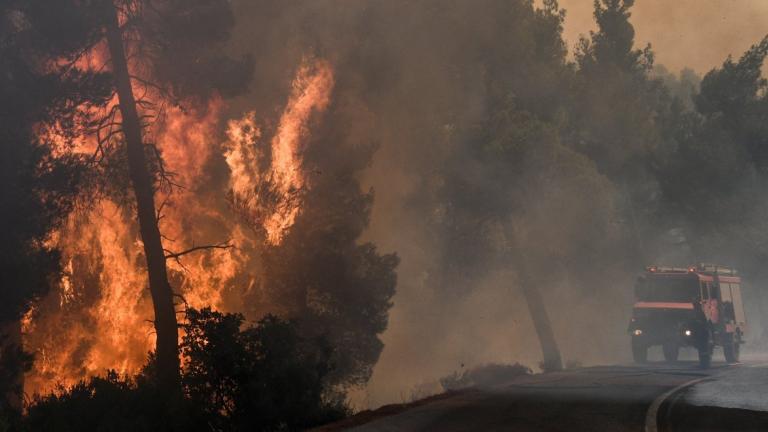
point(272, 196)
point(186, 144)
point(67, 291)
point(185, 140)
point(90, 330)
point(102, 320)
point(86, 141)
point(98, 317)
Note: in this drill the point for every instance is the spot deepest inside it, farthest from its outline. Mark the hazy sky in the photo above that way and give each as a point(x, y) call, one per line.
point(695, 33)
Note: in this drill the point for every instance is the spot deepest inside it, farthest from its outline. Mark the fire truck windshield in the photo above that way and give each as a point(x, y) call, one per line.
point(668, 290)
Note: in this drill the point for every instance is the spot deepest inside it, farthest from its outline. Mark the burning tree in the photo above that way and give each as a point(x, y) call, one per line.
point(299, 212)
point(39, 185)
point(156, 56)
point(272, 188)
point(301, 194)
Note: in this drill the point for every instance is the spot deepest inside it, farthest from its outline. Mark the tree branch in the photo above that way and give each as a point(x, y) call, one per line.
point(177, 255)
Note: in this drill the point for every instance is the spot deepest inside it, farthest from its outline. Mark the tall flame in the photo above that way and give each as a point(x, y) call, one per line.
point(110, 329)
point(272, 195)
point(98, 318)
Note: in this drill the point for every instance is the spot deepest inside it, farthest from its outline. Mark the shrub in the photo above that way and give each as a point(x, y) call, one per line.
point(109, 403)
point(484, 376)
point(261, 378)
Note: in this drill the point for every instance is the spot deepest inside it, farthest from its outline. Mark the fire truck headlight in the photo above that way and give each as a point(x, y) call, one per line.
point(637, 332)
point(687, 332)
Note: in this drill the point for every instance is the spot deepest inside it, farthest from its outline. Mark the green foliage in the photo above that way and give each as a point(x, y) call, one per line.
point(110, 403)
point(613, 43)
point(721, 157)
point(184, 43)
point(736, 86)
point(65, 27)
point(734, 99)
point(335, 285)
point(336, 289)
point(261, 378)
point(616, 105)
point(516, 183)
point(683, 87)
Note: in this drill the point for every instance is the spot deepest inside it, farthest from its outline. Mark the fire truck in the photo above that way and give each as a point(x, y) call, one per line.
point(699, 306)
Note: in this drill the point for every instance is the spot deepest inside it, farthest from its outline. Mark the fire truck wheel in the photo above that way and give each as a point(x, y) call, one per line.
point(731, 349)
point(671, 351)
point(639, 351)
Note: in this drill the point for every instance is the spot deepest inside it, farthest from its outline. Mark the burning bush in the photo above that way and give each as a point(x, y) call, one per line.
point(262, 377)
point(112, 402)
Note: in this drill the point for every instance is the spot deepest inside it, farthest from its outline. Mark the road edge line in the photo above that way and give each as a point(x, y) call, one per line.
point(651, 416)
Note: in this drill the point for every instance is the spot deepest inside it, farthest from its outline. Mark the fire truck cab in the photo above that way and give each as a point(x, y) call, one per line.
point(698, 306)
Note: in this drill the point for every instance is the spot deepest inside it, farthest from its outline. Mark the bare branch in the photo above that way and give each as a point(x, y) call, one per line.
point(69, 66)
point(177, 255)
point(147, 83)
point(105, 125)
point(183, 300)
point(165, 175)
point(160, 208)
point(165, 237)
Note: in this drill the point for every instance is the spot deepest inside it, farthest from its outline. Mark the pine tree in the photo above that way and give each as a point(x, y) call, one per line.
point(157, 36)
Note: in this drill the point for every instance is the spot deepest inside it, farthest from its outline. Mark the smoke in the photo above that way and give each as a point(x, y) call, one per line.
point(431, 120)
point(422, 75)
point(697, 34)
point(416, 75)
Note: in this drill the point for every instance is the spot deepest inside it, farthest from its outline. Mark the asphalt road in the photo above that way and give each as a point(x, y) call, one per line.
point(653, 397)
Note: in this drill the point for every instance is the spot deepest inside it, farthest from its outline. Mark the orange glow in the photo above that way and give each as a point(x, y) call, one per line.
point(85, 332)
point(285, 176)
point(186, 142)
point(99, 315)
point(52, 134)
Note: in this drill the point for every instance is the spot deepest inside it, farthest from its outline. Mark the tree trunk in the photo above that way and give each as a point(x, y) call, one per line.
point(551, 352)
point(167, 348)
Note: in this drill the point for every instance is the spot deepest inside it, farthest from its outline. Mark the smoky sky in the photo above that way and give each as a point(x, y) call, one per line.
point(697, 34)
point(411, 73)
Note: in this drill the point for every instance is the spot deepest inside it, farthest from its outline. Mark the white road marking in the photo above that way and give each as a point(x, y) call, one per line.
point(651, 417)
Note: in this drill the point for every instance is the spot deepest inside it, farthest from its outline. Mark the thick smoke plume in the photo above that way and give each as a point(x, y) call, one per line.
point(489, 138)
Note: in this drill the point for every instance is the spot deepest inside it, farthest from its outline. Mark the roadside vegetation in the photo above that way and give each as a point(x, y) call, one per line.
point(234, 377)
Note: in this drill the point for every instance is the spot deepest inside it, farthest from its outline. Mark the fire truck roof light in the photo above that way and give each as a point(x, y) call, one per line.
point(668, 269)
point(701, 268)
